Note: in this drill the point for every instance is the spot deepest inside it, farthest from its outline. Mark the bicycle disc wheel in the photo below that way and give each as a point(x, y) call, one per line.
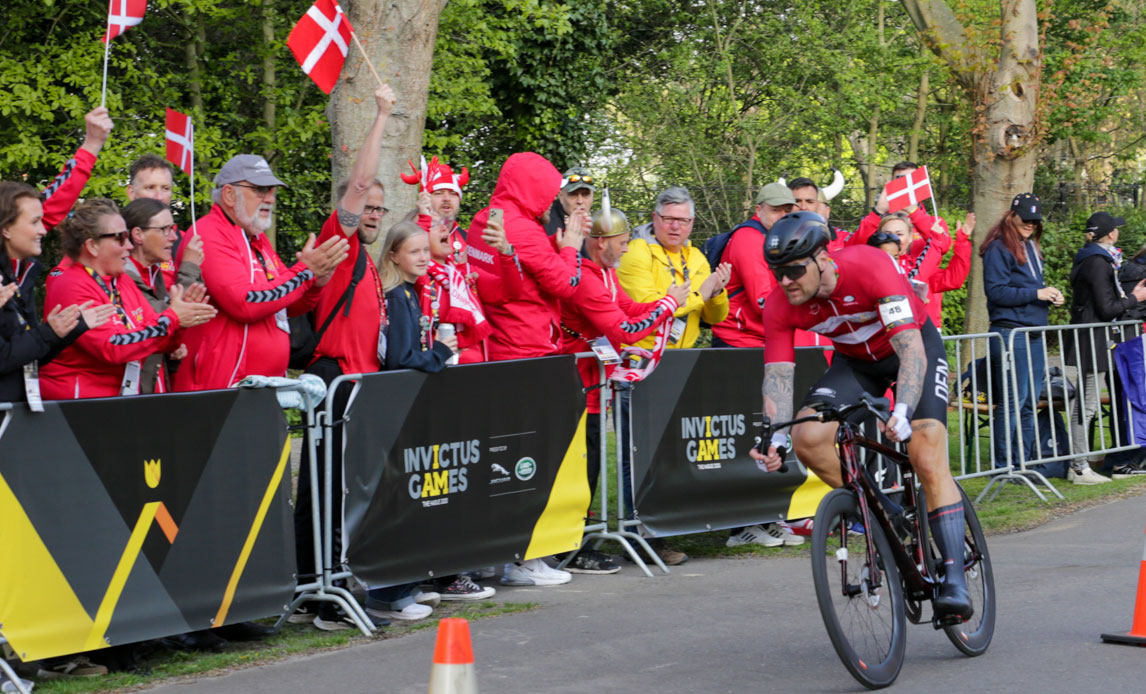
point(865, 622)
point(973, 636)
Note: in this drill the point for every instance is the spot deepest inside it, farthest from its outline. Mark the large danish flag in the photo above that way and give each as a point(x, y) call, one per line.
point(122, 15)
point(908, 190)
point(180, 140)
point(320, 42)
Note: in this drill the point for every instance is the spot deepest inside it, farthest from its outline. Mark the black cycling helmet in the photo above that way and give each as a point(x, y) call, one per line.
point(881, 237)
point(794, 236)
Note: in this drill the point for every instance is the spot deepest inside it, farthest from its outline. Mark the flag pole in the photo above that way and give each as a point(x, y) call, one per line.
point(354, 35)
point(194, 228)
point(106, 52)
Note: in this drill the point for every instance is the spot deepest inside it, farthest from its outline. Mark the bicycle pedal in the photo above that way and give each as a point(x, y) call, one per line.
point(947, 621)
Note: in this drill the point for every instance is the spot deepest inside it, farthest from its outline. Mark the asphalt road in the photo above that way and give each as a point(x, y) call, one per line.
point(752, 625)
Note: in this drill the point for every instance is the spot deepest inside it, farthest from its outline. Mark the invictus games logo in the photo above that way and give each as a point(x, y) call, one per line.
point(711, 438)
point(525, 469)
point(437, 471)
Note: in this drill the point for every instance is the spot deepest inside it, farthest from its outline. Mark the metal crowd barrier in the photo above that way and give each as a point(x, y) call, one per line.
point(598, 532)
point(1054, 392)
point(977, 396)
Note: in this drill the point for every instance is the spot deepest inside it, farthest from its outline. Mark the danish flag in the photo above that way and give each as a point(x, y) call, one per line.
point(320, 42)
point(123, 14)
point(908, 190)
point(180, 140)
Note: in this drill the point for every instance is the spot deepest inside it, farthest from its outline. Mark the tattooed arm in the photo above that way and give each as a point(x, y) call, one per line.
point(908, 347)
point(778, 382)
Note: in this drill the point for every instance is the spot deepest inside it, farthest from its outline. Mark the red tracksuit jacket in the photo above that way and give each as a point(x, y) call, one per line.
point(93, 366)
point(600, 307)
point(247, 337)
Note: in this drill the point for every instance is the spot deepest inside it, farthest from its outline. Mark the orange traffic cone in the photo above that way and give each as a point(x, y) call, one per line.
point(1137, 634)
point(453, 668)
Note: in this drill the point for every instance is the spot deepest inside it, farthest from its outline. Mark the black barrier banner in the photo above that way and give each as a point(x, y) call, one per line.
point(693, 421)
point(124, 519)
point(473, 466)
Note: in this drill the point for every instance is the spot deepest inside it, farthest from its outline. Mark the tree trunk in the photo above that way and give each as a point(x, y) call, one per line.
point(870, 177)
point(1004, 93)
point(270, 153)
point(399, 39)
point(920, 112)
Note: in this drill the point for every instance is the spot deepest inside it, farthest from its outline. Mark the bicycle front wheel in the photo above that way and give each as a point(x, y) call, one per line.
point(860, 596)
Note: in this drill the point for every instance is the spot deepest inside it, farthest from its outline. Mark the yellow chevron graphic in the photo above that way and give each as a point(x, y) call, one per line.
point(253, 535)
point(42, 616)
point(806, 499)
point(558, 529)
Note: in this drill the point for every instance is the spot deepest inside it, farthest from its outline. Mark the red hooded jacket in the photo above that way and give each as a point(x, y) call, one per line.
point(527, 325)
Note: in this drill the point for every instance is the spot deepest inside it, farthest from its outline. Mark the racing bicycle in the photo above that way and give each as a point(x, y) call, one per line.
point(870, 576)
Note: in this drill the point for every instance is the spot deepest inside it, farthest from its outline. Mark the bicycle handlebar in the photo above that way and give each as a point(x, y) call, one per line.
point(825, 412)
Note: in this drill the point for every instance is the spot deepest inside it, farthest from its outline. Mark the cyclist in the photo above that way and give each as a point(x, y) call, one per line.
point(882, 334)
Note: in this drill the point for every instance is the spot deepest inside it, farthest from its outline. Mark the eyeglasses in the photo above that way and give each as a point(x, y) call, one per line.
point(120, 237)
point(166, 230)
point(372, 209)
point(261, 191)
point(683, 221)
point(792, 272)
point(579, 178)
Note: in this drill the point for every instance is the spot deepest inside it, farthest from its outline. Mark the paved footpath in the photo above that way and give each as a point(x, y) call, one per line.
point(752, 625)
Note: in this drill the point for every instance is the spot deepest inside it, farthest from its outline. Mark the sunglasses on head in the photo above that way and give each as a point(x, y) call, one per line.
point(792, 272)
point(578, 178)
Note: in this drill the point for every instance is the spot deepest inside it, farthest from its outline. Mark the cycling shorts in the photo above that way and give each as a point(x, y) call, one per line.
point(846, 379)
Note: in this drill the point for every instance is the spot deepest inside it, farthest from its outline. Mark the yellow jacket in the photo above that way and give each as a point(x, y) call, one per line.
point(646, 275)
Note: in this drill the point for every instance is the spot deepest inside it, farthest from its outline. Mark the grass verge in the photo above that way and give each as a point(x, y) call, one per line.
point(293, 639)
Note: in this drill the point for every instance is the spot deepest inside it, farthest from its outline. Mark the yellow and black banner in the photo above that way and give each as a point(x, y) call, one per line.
point(473, 466)
point(125, 519)
point(693, 422)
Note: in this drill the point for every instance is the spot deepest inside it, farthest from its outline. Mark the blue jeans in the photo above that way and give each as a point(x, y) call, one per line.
point(394, 598)
point(1025, 389)
point(624, 393)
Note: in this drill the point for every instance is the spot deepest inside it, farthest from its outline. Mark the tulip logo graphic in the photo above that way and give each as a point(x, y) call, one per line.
point(151, 472)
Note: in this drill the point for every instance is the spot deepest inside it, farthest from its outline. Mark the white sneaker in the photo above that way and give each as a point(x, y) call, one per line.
point(786, 536)
point(1087, 476)
point(528, 574)
point(427, 597)
point(544, 567)
point(754, 535)
point(410, 613)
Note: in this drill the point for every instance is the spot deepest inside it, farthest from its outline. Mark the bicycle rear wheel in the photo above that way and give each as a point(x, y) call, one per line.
point(973, 636)
point(864, 621)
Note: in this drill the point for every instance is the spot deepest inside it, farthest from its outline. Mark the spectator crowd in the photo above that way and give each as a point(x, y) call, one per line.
point(141, 305)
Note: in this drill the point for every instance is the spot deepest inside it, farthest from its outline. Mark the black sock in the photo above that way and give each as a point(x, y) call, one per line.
point(946, 524)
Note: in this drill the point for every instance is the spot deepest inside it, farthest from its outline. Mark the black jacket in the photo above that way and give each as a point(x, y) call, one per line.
point(404, 335)
point(1133, 272)
point(1096, 299)
point(23, 338)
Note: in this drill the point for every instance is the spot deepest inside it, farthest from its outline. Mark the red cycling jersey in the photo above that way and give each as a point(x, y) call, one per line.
point(872, 302)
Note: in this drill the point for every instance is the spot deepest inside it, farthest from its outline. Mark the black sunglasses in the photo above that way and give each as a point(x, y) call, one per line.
point(792, 272)
point(120, 237)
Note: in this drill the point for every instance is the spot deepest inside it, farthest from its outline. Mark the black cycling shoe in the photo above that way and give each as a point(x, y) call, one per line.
point(952, 604)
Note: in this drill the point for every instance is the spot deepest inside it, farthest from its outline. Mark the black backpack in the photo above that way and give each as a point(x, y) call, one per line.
point(713, 248)
point(303, 339)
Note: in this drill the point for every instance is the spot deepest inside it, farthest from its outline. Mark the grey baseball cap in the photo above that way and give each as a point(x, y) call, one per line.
point(775, 194)
point(577, 178)
point(247, 167)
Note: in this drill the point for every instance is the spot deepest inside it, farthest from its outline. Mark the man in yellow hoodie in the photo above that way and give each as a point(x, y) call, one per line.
point(657, 259)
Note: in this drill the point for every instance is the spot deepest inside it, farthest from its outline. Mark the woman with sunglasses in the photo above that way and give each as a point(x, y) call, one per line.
point(25, 343)
point(107, 361)
point(1017, 297)
point(152, 232)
